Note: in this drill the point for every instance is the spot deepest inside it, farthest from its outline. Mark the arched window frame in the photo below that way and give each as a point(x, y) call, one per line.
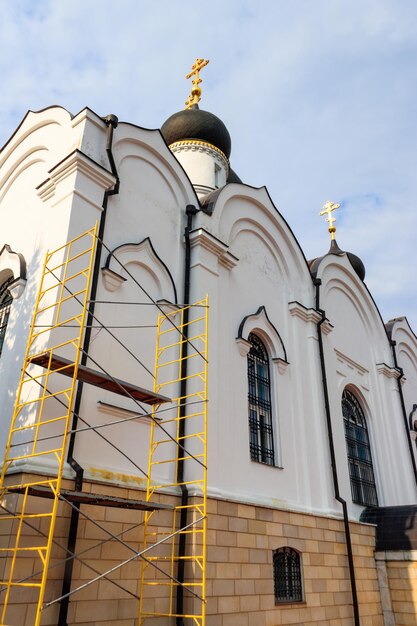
point(261, 427)
point(358, 449)
point(6, 300)
point(288, 575)
point(12, 284)
point(259, 325)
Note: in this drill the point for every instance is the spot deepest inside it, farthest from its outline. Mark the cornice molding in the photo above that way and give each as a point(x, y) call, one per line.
point(169, 307)
point(122, 413)
point(388, 371)
point(201, 237)
point(396, 555)
point(74, 163)
point(112, 280)
point(243, 346)
point(88, 114)
point(345, 359)
point(309, 315)
point(281, 365)
point(297, 309)
point(39, 465)
point(15, 263)
point(17, 288)
point(327, 327)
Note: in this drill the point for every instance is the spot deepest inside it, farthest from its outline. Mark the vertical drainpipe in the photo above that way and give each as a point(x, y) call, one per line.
point(404, 412)
point(111, 122)
point(190, 212)
point(317, 283)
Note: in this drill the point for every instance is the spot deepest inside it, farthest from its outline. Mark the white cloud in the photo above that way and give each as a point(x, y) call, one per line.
point(319, 98)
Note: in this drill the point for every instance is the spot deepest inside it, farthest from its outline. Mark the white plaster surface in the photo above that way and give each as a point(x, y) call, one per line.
point(54, 173)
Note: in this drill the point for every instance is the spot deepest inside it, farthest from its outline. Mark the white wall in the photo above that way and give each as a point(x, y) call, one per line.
point(246, 259)
point(359, 356)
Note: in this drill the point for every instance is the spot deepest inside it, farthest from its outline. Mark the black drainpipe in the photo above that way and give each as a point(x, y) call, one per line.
point(111, 122)
point(190, 212)
point(400, 391)
point(317, 283)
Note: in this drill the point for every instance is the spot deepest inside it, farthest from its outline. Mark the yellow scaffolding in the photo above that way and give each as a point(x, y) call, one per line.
point(57, 328)
point(39, 435)
point(182, 339)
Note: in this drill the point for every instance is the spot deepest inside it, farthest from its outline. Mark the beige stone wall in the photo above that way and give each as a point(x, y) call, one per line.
point(101, 603)
point(240, 591)
point(240, 585)
point(402, 581)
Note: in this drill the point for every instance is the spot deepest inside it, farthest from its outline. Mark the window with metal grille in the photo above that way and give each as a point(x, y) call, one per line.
point(5, 304)
point(361, 472)
point(260, 415)
point(288, 583)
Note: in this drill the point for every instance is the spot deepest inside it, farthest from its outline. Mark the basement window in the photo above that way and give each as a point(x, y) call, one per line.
point(288, 584)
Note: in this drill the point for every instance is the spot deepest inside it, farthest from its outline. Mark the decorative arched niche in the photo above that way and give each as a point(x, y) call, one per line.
point(412, 419)
point(13, 264)
point(260, 324)
point(267, 397)
point(115, 274)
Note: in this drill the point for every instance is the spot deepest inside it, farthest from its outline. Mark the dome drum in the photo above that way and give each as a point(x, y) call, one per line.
point(201, 143)
point(206, 166)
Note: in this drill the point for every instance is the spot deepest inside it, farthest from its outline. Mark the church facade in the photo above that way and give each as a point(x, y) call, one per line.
point(311, 462)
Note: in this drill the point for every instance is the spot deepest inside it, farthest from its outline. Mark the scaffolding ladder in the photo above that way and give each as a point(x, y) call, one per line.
point(178, 464)
point(39, 432)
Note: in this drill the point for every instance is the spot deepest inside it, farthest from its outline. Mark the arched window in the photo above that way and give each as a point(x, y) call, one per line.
point(5, 304)
point(259, 396)
point(288, 583)
point(362, 480)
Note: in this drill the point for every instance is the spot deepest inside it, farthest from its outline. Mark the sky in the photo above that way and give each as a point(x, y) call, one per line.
point(319, 97)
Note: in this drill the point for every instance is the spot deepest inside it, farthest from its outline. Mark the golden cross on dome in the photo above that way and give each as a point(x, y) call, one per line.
point(195, 95)
point(328, 209)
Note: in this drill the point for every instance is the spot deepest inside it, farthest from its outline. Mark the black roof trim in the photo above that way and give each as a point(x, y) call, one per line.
point(314, 274)
point(390, 325)
point(158, 130)
point(131, 243)
point(210, 201)
point(22, 261)
point(28, 112)
point(396, 526)
point(260, 310)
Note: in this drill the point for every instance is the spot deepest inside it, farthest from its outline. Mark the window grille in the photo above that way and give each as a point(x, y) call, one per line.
point(5, 305)
point(362, 480)
point(288, 585)
point(259, 396)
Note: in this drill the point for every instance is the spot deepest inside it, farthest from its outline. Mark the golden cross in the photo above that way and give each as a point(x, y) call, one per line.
point(328, 209)
point(195, 95)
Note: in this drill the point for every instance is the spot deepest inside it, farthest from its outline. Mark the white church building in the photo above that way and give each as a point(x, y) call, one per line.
point(307, 454)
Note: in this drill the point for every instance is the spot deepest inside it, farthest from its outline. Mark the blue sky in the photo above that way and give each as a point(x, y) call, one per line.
point(319, 97)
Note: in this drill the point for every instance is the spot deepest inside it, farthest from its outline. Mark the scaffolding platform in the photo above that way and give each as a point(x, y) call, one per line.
point(53, 362)
point(96, 499)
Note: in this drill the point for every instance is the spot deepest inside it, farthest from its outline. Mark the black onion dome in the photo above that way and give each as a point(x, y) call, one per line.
point(355, 261)
point(233, 177)
point(357, 264)
point(197, 124)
